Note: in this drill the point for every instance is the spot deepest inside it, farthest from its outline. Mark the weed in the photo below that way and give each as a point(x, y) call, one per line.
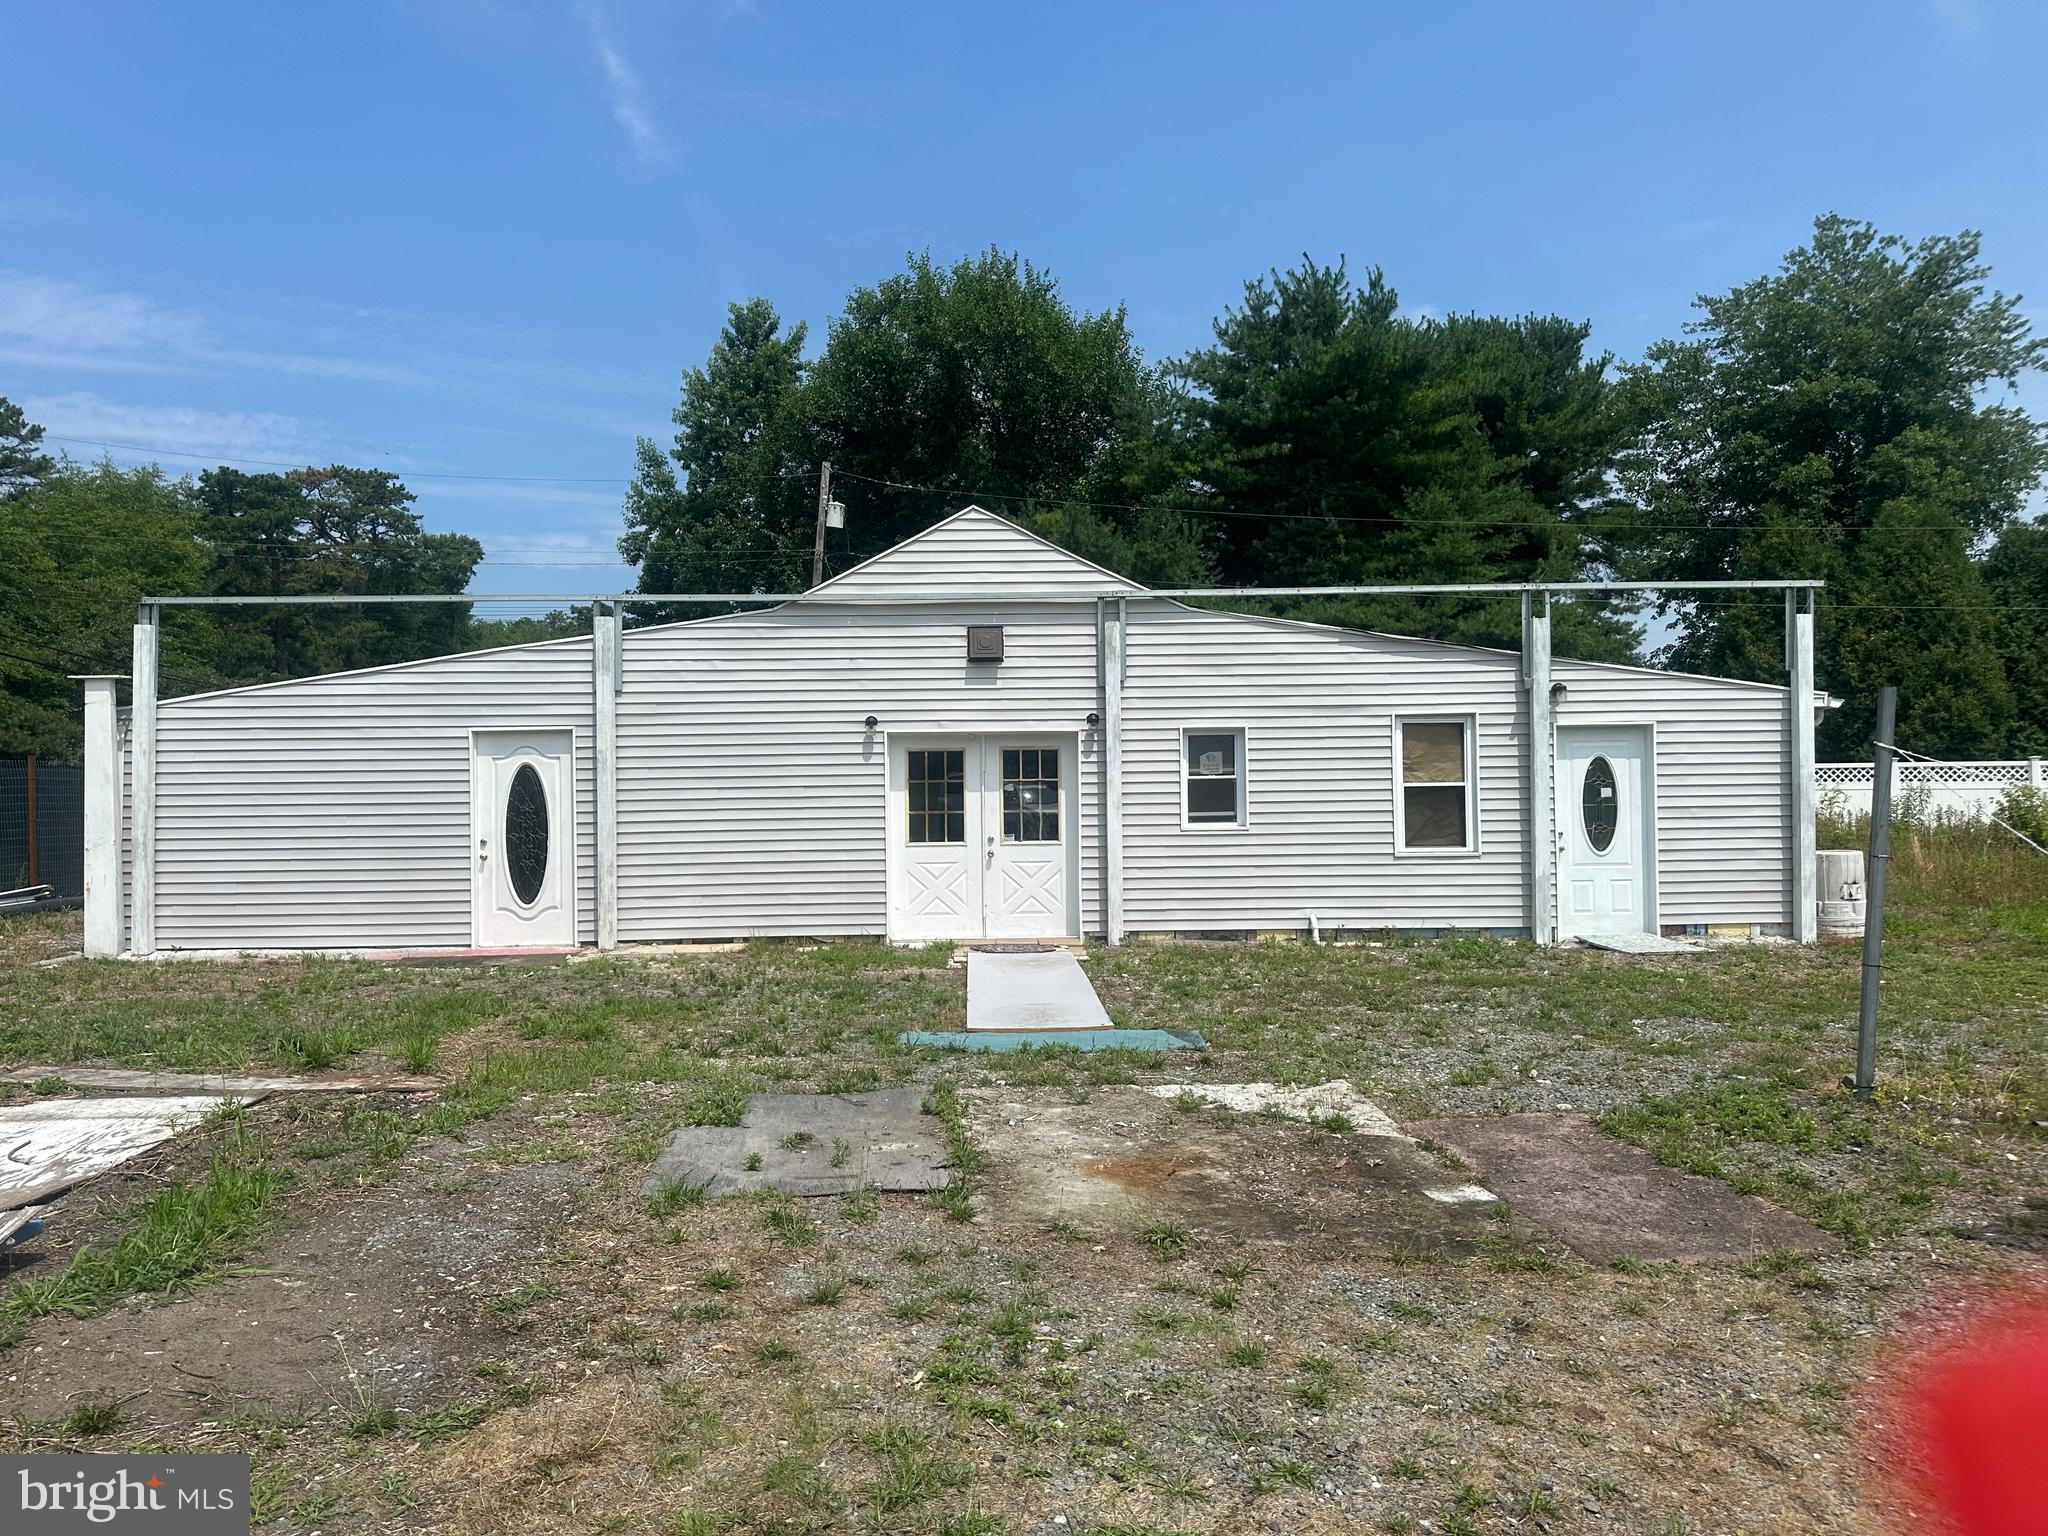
point(774, 1351)
point(672, 1195)
point(1169, 1240)
point(1245, 1354)
point(826, 1293)
point(722, 1279)
point(862, 1206)
point(790, 1224)
point(92, 1416)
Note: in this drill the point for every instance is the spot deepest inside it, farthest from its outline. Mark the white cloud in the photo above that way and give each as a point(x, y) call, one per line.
point(626, 94)
point(91, 420)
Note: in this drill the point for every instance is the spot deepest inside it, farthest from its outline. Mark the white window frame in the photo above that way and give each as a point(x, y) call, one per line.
point(1471, 724)
point(1244, 800)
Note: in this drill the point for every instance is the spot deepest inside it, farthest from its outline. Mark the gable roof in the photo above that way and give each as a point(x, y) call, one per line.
point(973, 551)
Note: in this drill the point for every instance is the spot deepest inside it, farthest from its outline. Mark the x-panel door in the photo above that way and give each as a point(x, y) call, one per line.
point(981, 836)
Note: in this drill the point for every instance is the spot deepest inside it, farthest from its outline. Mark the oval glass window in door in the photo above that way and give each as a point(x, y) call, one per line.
point(1599, 804)
point(526, 834)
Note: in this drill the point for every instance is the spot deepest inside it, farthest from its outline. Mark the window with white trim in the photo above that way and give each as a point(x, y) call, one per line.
point(1212, 778)
point(1436, 802)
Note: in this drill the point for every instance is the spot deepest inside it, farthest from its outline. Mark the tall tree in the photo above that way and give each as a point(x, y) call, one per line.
point(977, 378)
point(1834, 419)
point(2016, 575)
point(337, 531)
point(76, 552)
point(22, 461)
point(1340, 442)
point(729, 506)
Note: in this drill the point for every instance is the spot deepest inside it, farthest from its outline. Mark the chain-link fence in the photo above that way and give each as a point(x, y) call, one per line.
point(42, 827)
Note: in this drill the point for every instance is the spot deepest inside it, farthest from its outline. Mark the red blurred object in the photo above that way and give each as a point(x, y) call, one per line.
point(1974, 1411)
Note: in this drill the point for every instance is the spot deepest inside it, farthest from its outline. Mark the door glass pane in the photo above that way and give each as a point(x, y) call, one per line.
point(1433, 752)
point(1433, 815)
point(935, 783)
point(1600, 804)
point(526, 834)
point(1031, 795)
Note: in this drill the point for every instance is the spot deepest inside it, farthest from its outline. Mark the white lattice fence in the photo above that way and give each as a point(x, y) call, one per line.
point(1927, 792)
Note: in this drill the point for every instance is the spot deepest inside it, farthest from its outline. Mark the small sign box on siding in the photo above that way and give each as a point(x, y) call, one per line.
point(984, 642)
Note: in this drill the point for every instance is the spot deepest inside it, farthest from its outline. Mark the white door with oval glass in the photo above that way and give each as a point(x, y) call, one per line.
point(1606, 877)
point(522, 839)
point(981, 838)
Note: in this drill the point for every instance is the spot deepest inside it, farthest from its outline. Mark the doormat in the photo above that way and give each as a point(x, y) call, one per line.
point(1012, 1040)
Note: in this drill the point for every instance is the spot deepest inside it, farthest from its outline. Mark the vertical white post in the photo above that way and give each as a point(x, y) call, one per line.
point(142, 744)
point(1542, 768)
point(1113, 772)
point(102, 818)
point(2037, 772)
point(605, 679)
point(1805, 855)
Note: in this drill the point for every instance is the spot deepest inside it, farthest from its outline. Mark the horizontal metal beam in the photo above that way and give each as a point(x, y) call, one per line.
point(1027, 595)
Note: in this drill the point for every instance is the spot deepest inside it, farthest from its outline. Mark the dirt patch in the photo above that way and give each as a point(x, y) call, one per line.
point(1608, 1200)
point(1126, 1159)
point(377, 1294)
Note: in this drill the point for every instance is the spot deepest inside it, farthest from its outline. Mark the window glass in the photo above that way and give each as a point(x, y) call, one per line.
point(1433, 752)
point(1435, 795)
point(935, 795)
point(526, 834)
point(1599, 804)
point(1214, 786)
point(1031, 795)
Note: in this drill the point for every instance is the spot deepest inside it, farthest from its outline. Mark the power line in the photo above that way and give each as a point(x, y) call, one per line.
point(1592, 525)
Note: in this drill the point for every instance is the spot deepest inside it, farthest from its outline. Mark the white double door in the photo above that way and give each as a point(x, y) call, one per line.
point(982, 837)
point(522, 833)
point(1606, 861)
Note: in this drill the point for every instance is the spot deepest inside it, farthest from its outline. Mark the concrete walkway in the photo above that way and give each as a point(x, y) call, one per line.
point(1027, 993)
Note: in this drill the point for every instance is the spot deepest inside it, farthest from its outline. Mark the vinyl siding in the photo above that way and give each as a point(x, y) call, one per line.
point(973, 551)
point(751, 798)
point(1317, 706)
point(334, 812)
point(1724, 813)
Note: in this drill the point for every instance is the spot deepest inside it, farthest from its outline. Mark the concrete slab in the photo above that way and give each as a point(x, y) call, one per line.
point(1129, 1159)
point(1608, 1200)
point(812, 1144)
point(1007, 1040)
point(1639, 944)
point(1035, 991)
point(1313, 1103)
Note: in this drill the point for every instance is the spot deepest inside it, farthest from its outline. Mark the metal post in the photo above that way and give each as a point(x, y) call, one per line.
point(142, 742)
point(102, 818)
point(1542, 765)
point(1880, 857)
point(1805, 841)
point(34, 862)
point(1113, 771)
point(824, 510)
point(604, 688)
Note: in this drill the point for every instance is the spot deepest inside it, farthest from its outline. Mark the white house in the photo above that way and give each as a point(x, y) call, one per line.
point(975, 735)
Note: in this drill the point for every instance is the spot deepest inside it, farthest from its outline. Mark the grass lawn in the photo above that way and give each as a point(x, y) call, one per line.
point(457, 1311)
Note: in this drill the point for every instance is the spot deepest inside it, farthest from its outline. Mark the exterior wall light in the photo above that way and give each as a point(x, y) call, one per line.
point(871, 722)
point(1093, 719)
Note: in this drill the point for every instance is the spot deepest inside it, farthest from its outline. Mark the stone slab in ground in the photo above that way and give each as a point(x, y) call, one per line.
point(1607, 1200)
point(840, 1142)
point(1130, 1159)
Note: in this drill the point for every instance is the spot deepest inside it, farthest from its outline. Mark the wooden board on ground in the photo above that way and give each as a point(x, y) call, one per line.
point(47, 1147)
point(239, 1085)
point(1608, 1200)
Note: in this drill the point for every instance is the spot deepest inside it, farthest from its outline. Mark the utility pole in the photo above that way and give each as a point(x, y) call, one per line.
point(1873, 919)
point(824, 510)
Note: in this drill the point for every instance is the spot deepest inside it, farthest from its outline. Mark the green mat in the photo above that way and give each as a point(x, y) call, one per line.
point(1056, 1039)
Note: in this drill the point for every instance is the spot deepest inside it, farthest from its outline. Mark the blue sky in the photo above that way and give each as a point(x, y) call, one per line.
point(480, 238)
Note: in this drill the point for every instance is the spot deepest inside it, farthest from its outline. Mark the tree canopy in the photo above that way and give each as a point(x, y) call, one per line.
point(1838, 419)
